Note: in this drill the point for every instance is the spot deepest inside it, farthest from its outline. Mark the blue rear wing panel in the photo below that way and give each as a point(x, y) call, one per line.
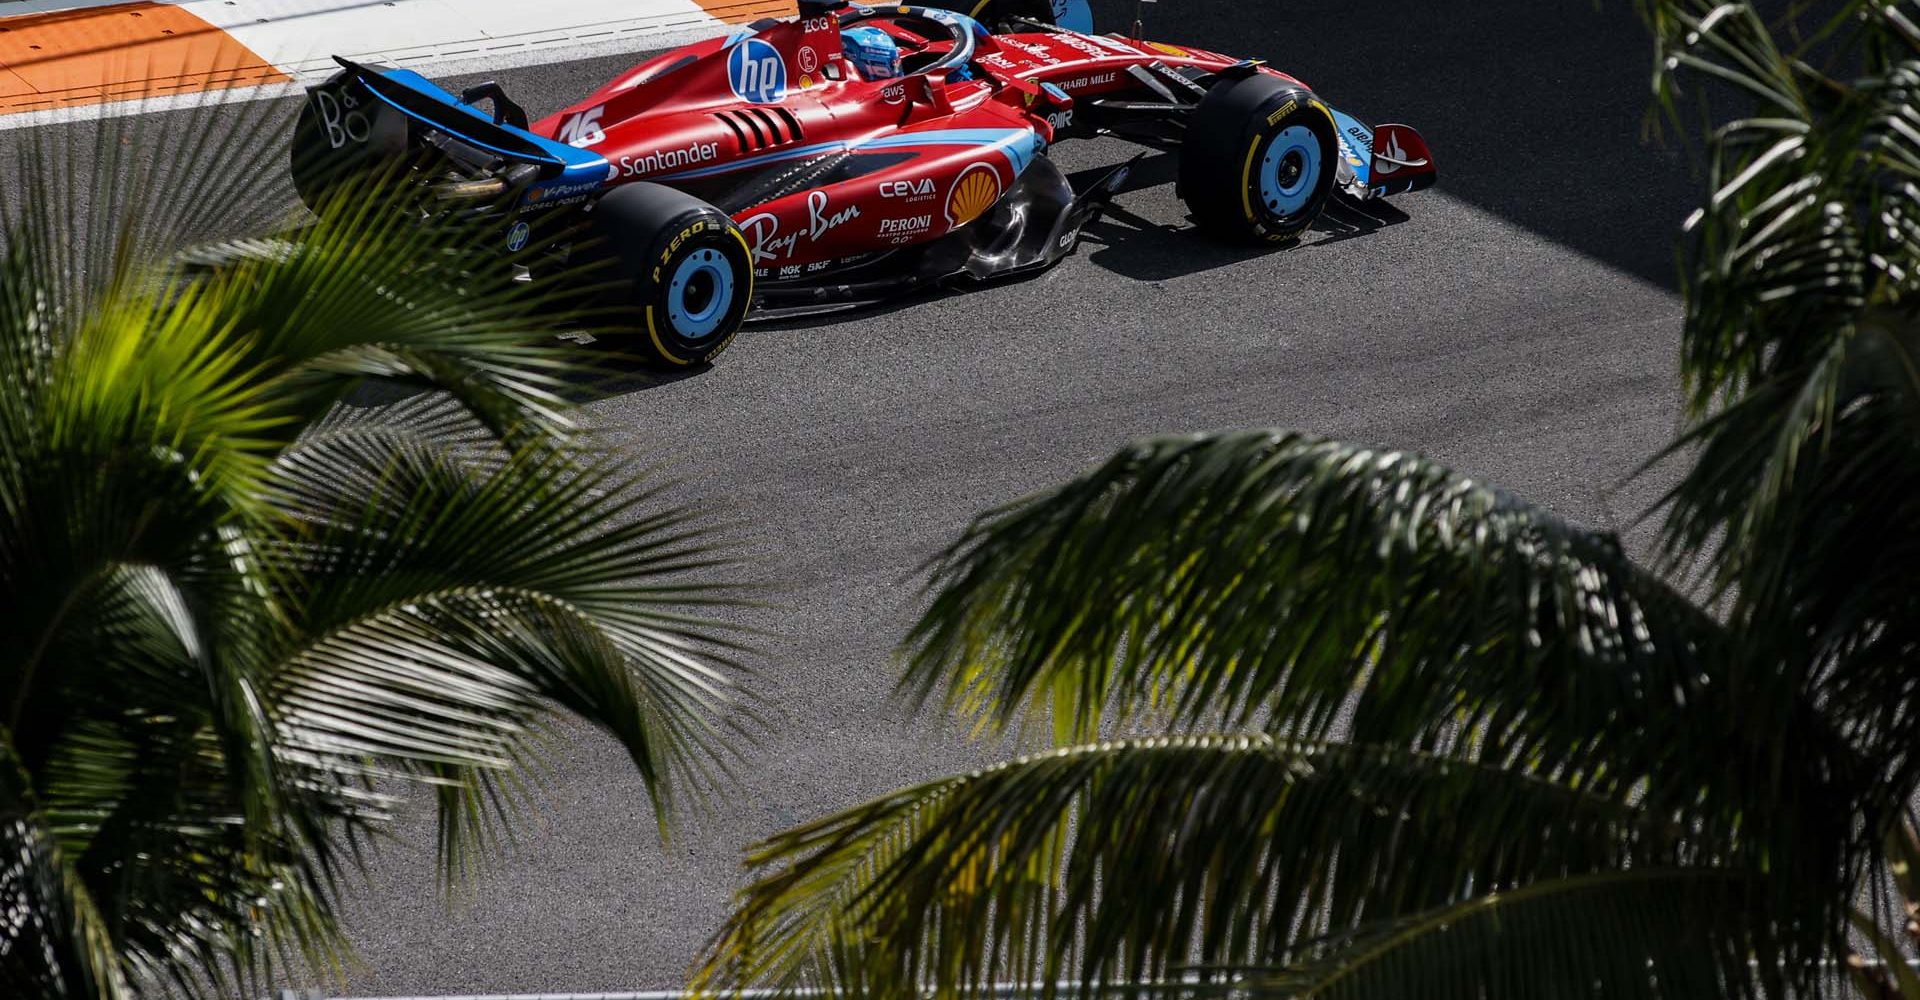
point(422, 100)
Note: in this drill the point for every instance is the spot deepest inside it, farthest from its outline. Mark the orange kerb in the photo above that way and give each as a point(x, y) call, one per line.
point(118, 53)
point(742, 11)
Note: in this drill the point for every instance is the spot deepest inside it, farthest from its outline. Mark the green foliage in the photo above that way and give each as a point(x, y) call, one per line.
point(1422, 739)
point(240, 613)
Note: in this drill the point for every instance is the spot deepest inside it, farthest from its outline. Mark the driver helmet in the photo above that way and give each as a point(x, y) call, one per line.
point(872, 50)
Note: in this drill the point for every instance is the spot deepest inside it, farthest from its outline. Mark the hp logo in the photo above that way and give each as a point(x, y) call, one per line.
point(517, 237)
point(756, 72)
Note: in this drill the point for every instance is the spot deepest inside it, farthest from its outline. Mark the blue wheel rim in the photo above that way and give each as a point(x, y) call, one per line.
point(699, 293)
point(1290, 170)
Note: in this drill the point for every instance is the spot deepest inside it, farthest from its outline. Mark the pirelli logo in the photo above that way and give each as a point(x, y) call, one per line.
point(1282, 111)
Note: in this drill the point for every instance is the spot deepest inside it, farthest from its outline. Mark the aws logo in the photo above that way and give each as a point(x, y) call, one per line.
point(756, 72)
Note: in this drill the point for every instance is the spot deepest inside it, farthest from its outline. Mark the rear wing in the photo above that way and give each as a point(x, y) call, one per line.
point(420, 100)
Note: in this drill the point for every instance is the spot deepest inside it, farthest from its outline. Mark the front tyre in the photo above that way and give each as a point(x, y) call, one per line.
point(687, 266)
point(1259, 160)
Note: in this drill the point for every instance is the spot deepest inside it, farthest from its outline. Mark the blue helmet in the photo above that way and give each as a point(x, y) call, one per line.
point(873, 50)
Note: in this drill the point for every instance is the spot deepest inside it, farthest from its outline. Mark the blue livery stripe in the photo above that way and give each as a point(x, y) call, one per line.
point(1018, 145)
point(1356, 144)
point(578, 166)
point(798, 152)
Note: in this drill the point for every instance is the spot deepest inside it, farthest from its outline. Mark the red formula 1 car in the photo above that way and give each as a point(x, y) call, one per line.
point(773, 171)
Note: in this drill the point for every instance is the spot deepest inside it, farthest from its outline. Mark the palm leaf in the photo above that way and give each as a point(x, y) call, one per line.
point(1124, 862)
point(1265, 575)
point(230, 609)
point(53, 942)
point(1799, 348)
point(1641, 933)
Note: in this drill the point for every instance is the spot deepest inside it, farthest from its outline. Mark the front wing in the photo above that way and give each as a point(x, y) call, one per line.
point(1382, 161)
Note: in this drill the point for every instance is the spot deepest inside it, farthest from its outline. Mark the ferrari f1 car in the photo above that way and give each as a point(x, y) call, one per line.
point(770, 173)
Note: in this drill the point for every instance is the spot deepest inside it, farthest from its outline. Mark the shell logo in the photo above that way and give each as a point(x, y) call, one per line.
point(977, 188)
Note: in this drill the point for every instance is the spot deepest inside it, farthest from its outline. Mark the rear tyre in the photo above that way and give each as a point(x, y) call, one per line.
point(1259, 160)
point(684, 264)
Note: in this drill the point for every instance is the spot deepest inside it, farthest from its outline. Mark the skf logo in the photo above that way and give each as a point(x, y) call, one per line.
point(755, 72)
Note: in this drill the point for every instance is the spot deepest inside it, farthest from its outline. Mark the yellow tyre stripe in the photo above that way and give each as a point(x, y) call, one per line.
point(735, 230)
point(659, 348)
point(653, 330)
point(1246, 181)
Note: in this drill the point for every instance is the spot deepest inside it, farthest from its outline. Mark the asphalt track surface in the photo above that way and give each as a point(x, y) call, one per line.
point(1519, 322)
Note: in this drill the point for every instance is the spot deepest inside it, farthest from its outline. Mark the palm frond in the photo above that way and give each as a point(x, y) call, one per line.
point(230, 609)
point(1125, 862)
point(53, 941)
point(1643, 933)
point(381, 295)
point(447, 605)
point(1801, 350)
point(1243, 576)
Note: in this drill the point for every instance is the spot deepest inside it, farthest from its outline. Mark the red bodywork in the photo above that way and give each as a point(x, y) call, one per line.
point(934, 154)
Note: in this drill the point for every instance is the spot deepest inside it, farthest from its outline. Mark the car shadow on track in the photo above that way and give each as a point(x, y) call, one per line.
point(607, 369)
point(1120, 241)
point(1133, 246)
point(604, 370)
point(1536, 112)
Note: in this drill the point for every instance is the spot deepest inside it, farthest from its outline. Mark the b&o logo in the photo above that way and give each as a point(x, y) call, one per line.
point(340, 119)
point(756, 72)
